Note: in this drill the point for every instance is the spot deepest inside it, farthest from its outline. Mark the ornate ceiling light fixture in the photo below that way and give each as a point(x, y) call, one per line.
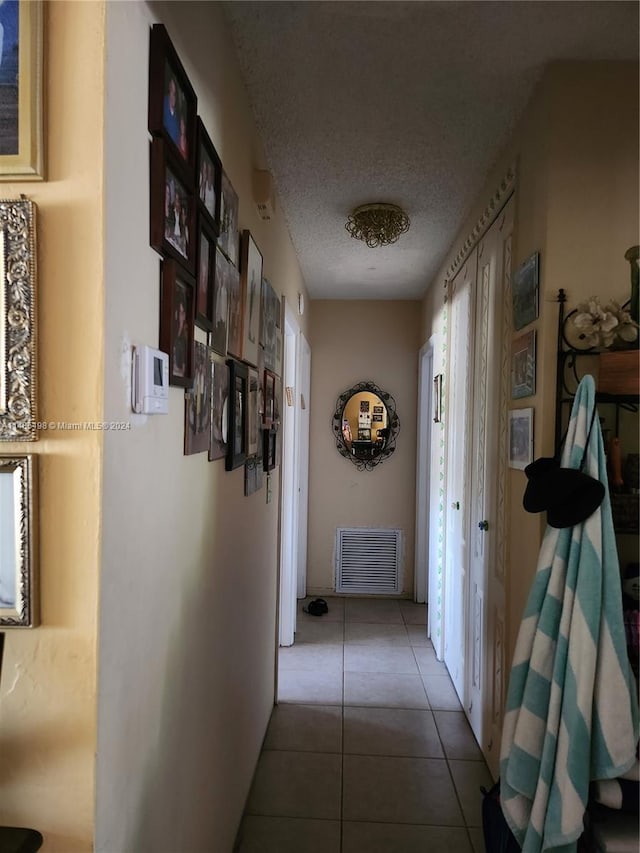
point(377, 224)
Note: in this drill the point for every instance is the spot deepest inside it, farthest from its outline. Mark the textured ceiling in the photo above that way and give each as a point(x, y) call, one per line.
point(403, 102)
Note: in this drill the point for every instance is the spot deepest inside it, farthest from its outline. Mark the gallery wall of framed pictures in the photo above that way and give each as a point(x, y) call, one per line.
point(220, 319)
point(525, 297)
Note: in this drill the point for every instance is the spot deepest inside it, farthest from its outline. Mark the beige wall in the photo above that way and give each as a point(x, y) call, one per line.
point(49, 675)
point(352, 342)
point(188, 593)
point(576, 203)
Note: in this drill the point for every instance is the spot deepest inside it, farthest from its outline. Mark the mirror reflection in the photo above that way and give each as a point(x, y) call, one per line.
point(365, 424)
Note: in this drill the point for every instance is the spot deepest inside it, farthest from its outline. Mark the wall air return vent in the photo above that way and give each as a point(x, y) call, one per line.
point(368, 561)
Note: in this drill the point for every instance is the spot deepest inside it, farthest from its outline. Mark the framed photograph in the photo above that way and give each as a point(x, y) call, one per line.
point(219, 409)
point(234, 296)
point(277, 402)
point(223, 271)
point(237, 410)
point(271, 327)
point(377, 419)
point(525, 292)
point(520, 438)
point(209, 170)
point(437, 399)
point(21, 125)
point(253, 420)
point(18, 535)
point(197, 404)
point(173, 209)
point(251, 281)
point(269, 398)
point(378, 410)
point(206, 273)
point(523, 365)
point(18, 353)
point(364, 405)
point(269, 449)
point(228, 237)
point(252, 475)
point(173, 105)
point(177, 316)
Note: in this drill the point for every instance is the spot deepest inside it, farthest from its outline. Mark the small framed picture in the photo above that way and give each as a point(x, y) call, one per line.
point(228, 236)
point(269, 449)
point(364, 405)
point(271, 327)
point(520, 438)
point(172, 99)
point(234, 296)
point(237, 410)
point(19, 553)
point(377, 419)
point(252, 479)
point(21, 85)
point(222, 284)
point(269, 398)
point(206, 273)
point(197, 426)
point(523, 365)
point(378, 410)
point(173, 210)
point(251, 280)
point(209, 171)
point(525, 292)
point(219, 409)
point(253, 420)
point(177, 320)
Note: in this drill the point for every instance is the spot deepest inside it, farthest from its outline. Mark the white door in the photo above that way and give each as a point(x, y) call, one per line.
point(461, 292)
point(303, 398)
point(485, 639)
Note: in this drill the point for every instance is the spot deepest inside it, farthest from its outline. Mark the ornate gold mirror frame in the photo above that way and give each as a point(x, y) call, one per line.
point(17, 321)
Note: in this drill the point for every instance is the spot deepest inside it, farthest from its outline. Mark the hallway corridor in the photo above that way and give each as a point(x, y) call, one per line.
point(368, 750)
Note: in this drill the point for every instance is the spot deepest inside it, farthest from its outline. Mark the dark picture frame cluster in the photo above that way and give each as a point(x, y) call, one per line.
point(212, 280)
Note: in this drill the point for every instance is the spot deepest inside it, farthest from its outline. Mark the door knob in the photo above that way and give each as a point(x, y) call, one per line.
point(455, 505)
point(483, 525)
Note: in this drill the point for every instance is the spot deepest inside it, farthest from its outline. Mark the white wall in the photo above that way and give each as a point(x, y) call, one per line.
point(354, 341)
point(188, 589)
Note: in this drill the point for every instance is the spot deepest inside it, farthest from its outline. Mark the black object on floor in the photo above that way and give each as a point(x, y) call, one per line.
point(15, 839)
point(315, 608)
point(498, 838)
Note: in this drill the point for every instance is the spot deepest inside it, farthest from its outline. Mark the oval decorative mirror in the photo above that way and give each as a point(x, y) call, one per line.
point(365, 425)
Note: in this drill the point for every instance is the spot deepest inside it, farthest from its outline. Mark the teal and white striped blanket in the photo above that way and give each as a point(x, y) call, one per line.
point(572, 714)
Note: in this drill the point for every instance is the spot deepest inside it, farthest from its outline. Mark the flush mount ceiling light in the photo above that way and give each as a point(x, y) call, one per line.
point(377, 224)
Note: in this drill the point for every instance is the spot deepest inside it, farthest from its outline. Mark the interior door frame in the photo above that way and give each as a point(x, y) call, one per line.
point(421, 585)
point(290, 477)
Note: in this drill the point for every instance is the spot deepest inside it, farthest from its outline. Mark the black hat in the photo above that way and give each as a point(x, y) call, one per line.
point(568, 495)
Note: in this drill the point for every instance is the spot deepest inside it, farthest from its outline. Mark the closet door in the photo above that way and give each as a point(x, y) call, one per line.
point(460, 298)
point(486, 532)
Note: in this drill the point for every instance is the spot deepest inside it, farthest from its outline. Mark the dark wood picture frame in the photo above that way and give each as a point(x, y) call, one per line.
point(177, 321)
point(251, 281)
point(269, 398)
point(228, 238)
point(253, 418)
point(205, 273)
point(173, 105)
point(237, 410)
point(269, 449)
point(173, 209)
point(208, 178)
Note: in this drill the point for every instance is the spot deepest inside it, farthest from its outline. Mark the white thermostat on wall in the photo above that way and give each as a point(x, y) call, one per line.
point(150, 381)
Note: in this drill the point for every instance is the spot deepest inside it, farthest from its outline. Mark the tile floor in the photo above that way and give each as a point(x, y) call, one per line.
point(368, 750)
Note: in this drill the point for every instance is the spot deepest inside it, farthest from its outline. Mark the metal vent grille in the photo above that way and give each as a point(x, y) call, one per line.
point(368, 560)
